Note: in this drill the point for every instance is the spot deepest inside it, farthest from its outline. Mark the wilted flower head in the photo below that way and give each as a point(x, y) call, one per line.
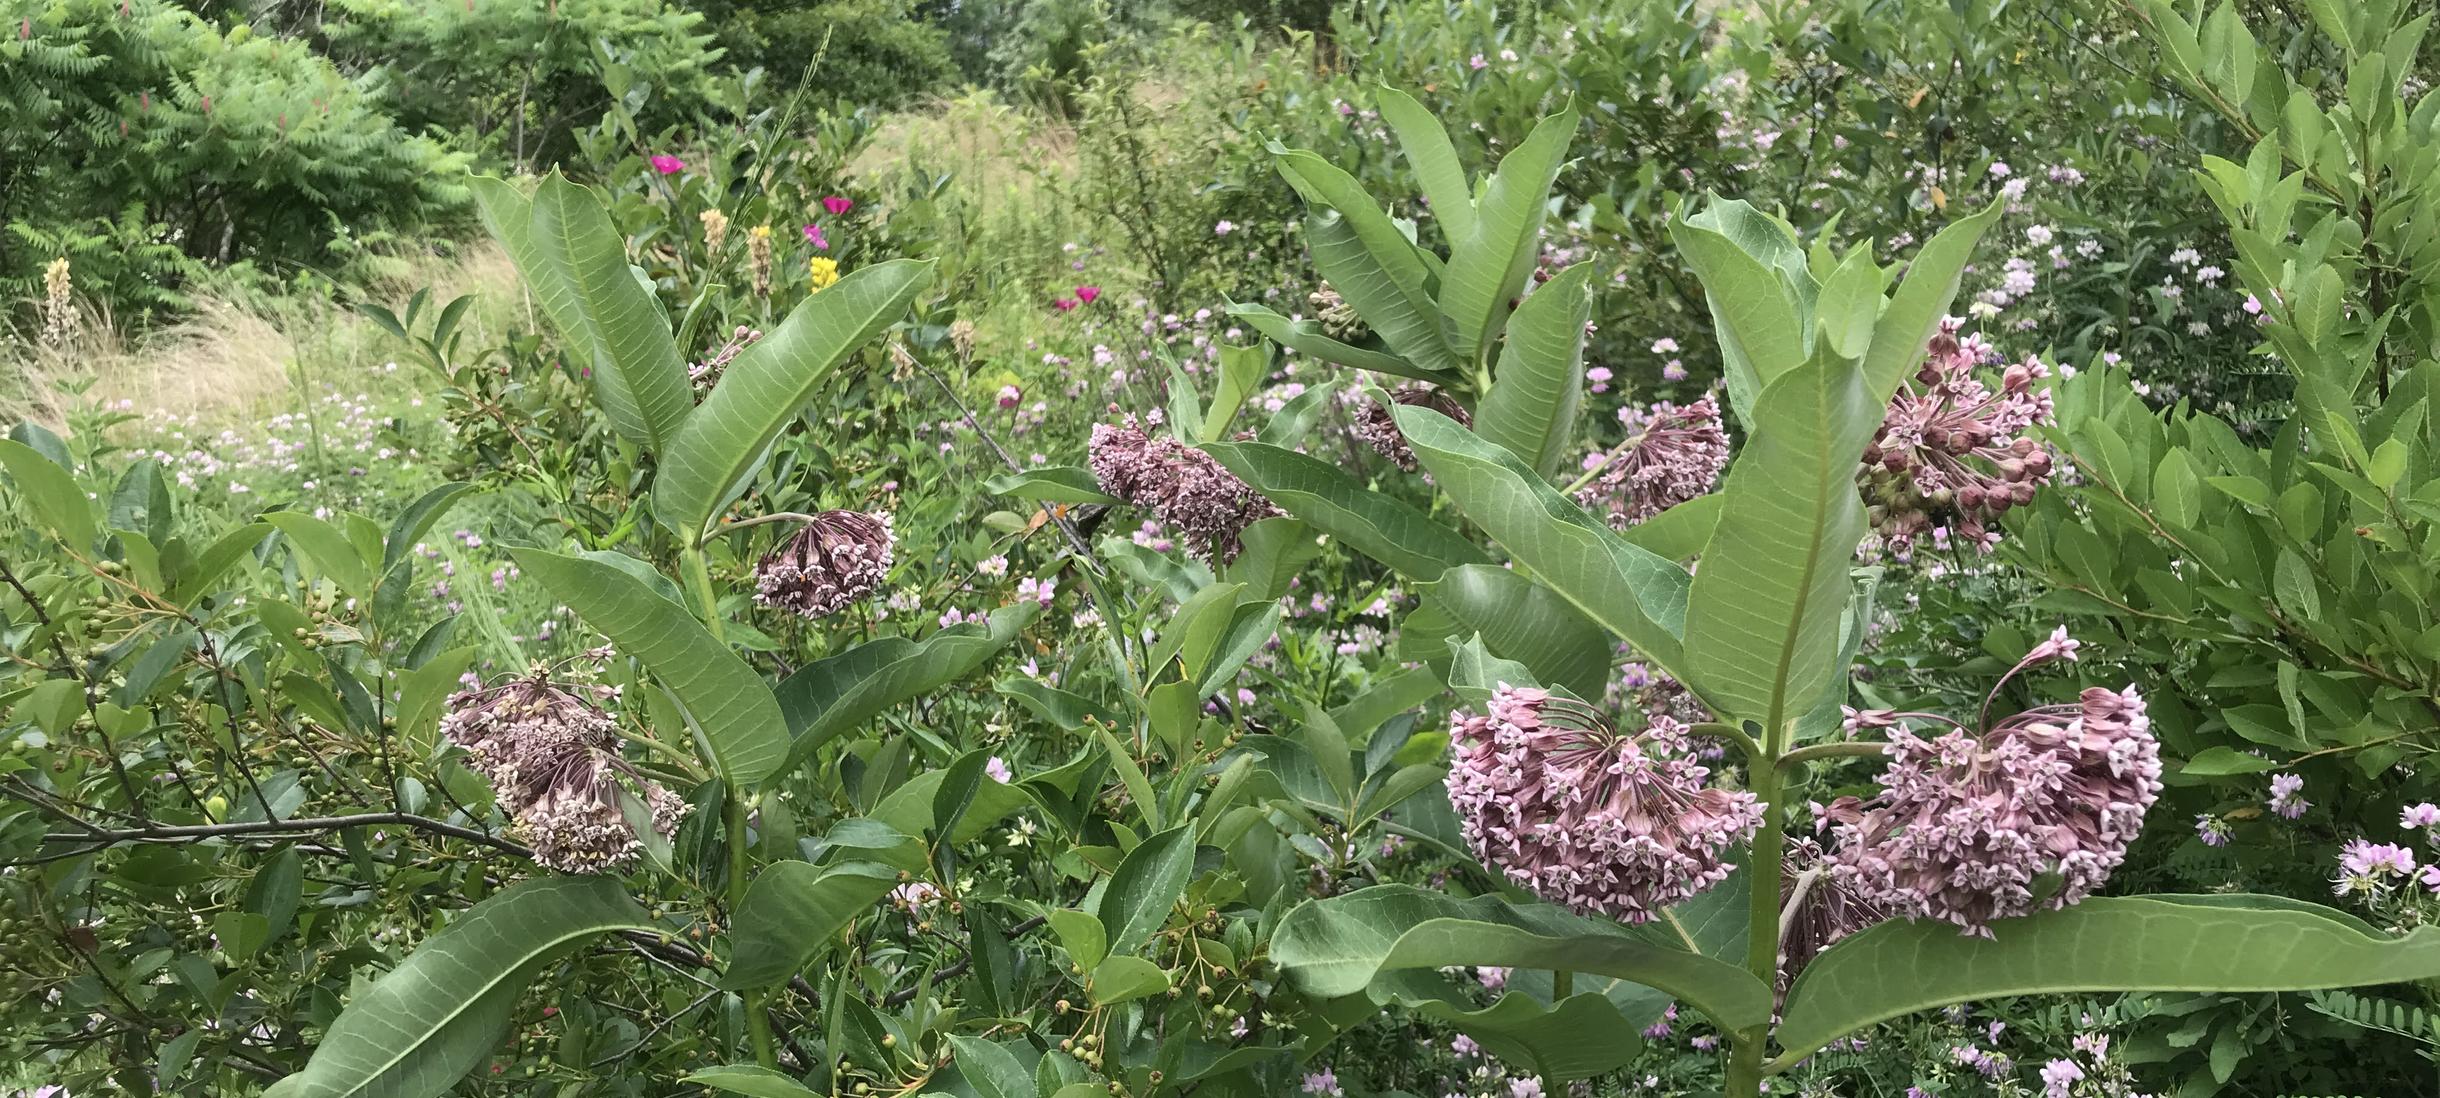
point(1587, 816)
point(715, 229)
point(1672, 453)
point(1967, 822)
point(1375, 427)
point(1820, 907)
point(1182, 486)
point(552, 759)
point(705, 374)
point(1951, 451)
point(836, 559)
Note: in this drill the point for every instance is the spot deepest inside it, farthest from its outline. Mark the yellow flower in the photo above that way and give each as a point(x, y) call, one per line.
point(824, 271)
point(761, 232)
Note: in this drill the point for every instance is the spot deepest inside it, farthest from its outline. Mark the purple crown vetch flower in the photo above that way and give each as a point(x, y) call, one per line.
point(834, 560)
point(1672, 453)
point(1375, 427)
point(1967, 823)
point(1587, 816)
point(1182, 486)
point(552, 759)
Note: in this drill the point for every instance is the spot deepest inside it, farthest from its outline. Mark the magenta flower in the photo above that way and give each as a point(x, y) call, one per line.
point(1567, 806)
point(1065, 304)
point(1088, 294)
point(837, 206)
point(668, 165)
point(813, 236)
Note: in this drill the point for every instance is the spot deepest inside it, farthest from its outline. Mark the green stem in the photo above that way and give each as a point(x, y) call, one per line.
point(1830, 751)
point(699, 578)
point(1762, 922)
point(758, 1023)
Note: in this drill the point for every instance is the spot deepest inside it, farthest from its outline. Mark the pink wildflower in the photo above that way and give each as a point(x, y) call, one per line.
point(815, 237)
point(837, 206)
point(1672, 453)
point(1088, 294)
point(837, 559)
point(2284, 799)
point(668, 165)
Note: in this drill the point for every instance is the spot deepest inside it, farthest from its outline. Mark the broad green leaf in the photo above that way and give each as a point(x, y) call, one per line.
point(413, 523)
point(1488, 267)
point(326, 548)
point(832, 696)
point(1850, 302)
point(611, 322)
point(911, 808)
point(1434, 161)
point(993, 1071)
point(1681, 531)
point(1913, 314)
point(1338, 946)
point(1365, 257)
point(2116, 943)
point(1305, 337)
point(423, 1025)
point(1763, 626)
point(751, 1080)
point(1527, 622)
point(1538, 389)
point(1758, 317)
point(1241, 371)
point(1295, 419)
point(1378, 526)
point(50, 493)
point(198, 579)
point(738, 718)
point(1146, 885)
point(722, 444)
point(1629, 591)
point(1387, 697)
point(1051, 484)
point(1274, 550)
point(1121, 978)
point(1589, 1033)
point(793, 912)
point(1080, 934)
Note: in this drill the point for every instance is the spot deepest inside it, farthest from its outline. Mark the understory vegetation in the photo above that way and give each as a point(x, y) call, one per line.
point(1047, 548)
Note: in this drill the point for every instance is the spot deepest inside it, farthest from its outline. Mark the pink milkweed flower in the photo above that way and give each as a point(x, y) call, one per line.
point(838, 206)
point(1088, 294)
point(668, 165)
point(813, 236)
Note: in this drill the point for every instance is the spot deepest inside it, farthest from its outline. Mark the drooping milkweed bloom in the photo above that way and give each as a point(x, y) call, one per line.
point(1967, 822)
point(1182, 486)
point(705, 374)
point(552, 759)
point(1623, 824)
point(1819, 908)
point(1672, 453)
point(1376, 428)
point(1953, 452)
point(837, 205)
point(837, 559)
point(668, 165)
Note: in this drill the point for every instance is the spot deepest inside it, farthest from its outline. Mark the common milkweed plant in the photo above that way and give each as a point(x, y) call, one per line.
point(1973, 873)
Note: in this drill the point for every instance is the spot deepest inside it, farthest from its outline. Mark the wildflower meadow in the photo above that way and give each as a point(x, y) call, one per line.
point(1220, 548)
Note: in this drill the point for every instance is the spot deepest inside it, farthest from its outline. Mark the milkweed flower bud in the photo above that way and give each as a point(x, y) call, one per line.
point(1966, 823)
point(552, 759)
point(1377, 428)
point(1952, 452)
point(1587, 816)
point(1818, 907)
point(839, 558)
point(1337, 318)
point(1182, 486)
point(1672, 453)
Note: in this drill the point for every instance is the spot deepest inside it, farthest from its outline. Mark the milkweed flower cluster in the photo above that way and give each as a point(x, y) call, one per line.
point(1672, 453)
point(1376, 428)
point(1952, 451)
point(1966, 822)
point(1819, 907)
point(1337, 318)
point(833, 561)
point(1623, 824)
point(1182, 486)
point(552, 759)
